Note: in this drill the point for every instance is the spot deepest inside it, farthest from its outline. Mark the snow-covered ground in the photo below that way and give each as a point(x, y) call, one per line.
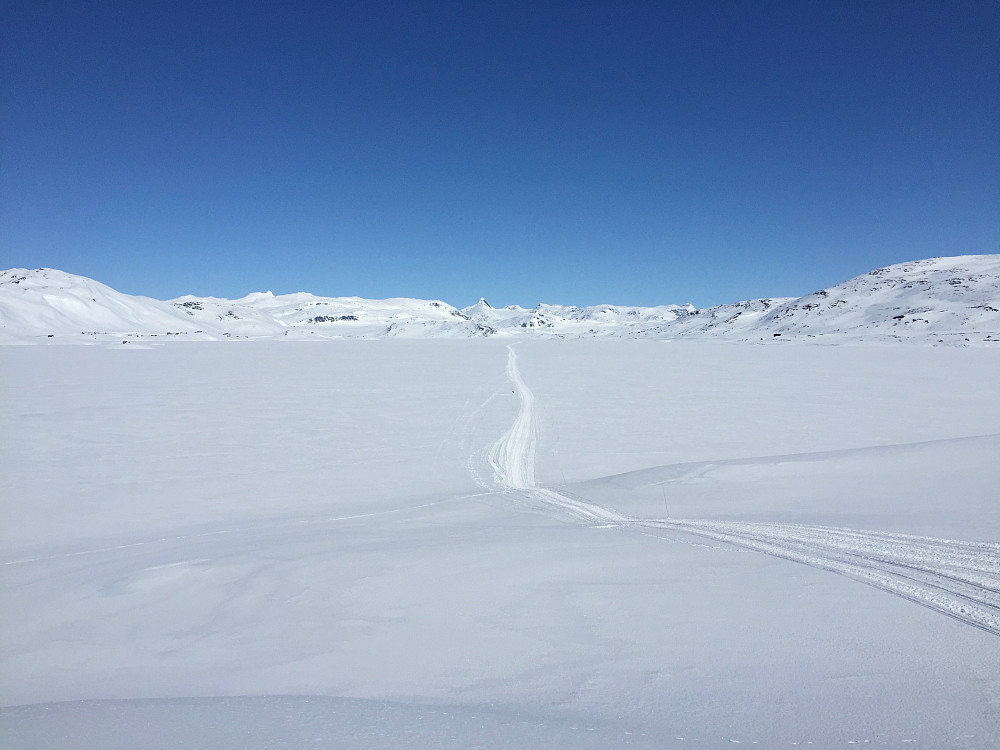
point(953, 301)
point(585, 543)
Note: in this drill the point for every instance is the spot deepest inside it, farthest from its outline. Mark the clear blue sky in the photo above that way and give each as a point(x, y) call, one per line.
point(570, 152)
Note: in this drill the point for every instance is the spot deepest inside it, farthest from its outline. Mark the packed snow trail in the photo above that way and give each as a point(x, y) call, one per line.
point(956, 578)
point(512, 459)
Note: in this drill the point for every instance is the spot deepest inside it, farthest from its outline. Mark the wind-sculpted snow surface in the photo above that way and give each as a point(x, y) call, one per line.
point(266, 545)
point(957, 578)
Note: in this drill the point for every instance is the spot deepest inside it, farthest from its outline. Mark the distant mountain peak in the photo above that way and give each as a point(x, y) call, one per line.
point(938, 300)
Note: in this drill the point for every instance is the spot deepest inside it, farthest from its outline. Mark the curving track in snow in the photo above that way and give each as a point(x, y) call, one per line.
point(512, 459)
point(956, 578)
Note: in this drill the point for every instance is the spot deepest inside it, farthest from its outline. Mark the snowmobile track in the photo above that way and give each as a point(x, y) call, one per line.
point(957, 578)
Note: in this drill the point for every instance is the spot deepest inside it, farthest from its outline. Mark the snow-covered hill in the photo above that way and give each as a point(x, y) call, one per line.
point(49, 304)
point(935, 300)
point(941, 300)
point(597, 320)
point(300, 315)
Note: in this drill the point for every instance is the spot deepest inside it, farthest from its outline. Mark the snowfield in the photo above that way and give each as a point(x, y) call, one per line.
point(499, 542)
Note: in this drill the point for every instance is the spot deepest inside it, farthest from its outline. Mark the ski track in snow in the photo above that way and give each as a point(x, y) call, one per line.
point(956, 578)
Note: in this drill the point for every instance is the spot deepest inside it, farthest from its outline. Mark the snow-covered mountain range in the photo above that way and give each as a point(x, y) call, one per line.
point(941, 300)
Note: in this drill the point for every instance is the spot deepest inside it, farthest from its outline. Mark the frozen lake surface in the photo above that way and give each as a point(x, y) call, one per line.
point(398, 543)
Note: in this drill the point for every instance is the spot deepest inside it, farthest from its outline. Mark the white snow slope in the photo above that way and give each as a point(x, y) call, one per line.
point(942, 300)
point(502, 544)
point(48, 304)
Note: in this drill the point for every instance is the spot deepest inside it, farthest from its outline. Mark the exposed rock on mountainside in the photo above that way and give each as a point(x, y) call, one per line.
point(941, 300)
point(935, 300)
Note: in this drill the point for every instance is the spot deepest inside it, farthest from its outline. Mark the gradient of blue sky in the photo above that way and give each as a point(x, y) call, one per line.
point(573, 152)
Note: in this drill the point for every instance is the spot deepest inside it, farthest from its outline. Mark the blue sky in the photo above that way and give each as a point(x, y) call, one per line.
point(566, 152)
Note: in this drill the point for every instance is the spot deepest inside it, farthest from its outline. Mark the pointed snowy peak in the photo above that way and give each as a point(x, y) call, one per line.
point(941, 300)
point(480, 307)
